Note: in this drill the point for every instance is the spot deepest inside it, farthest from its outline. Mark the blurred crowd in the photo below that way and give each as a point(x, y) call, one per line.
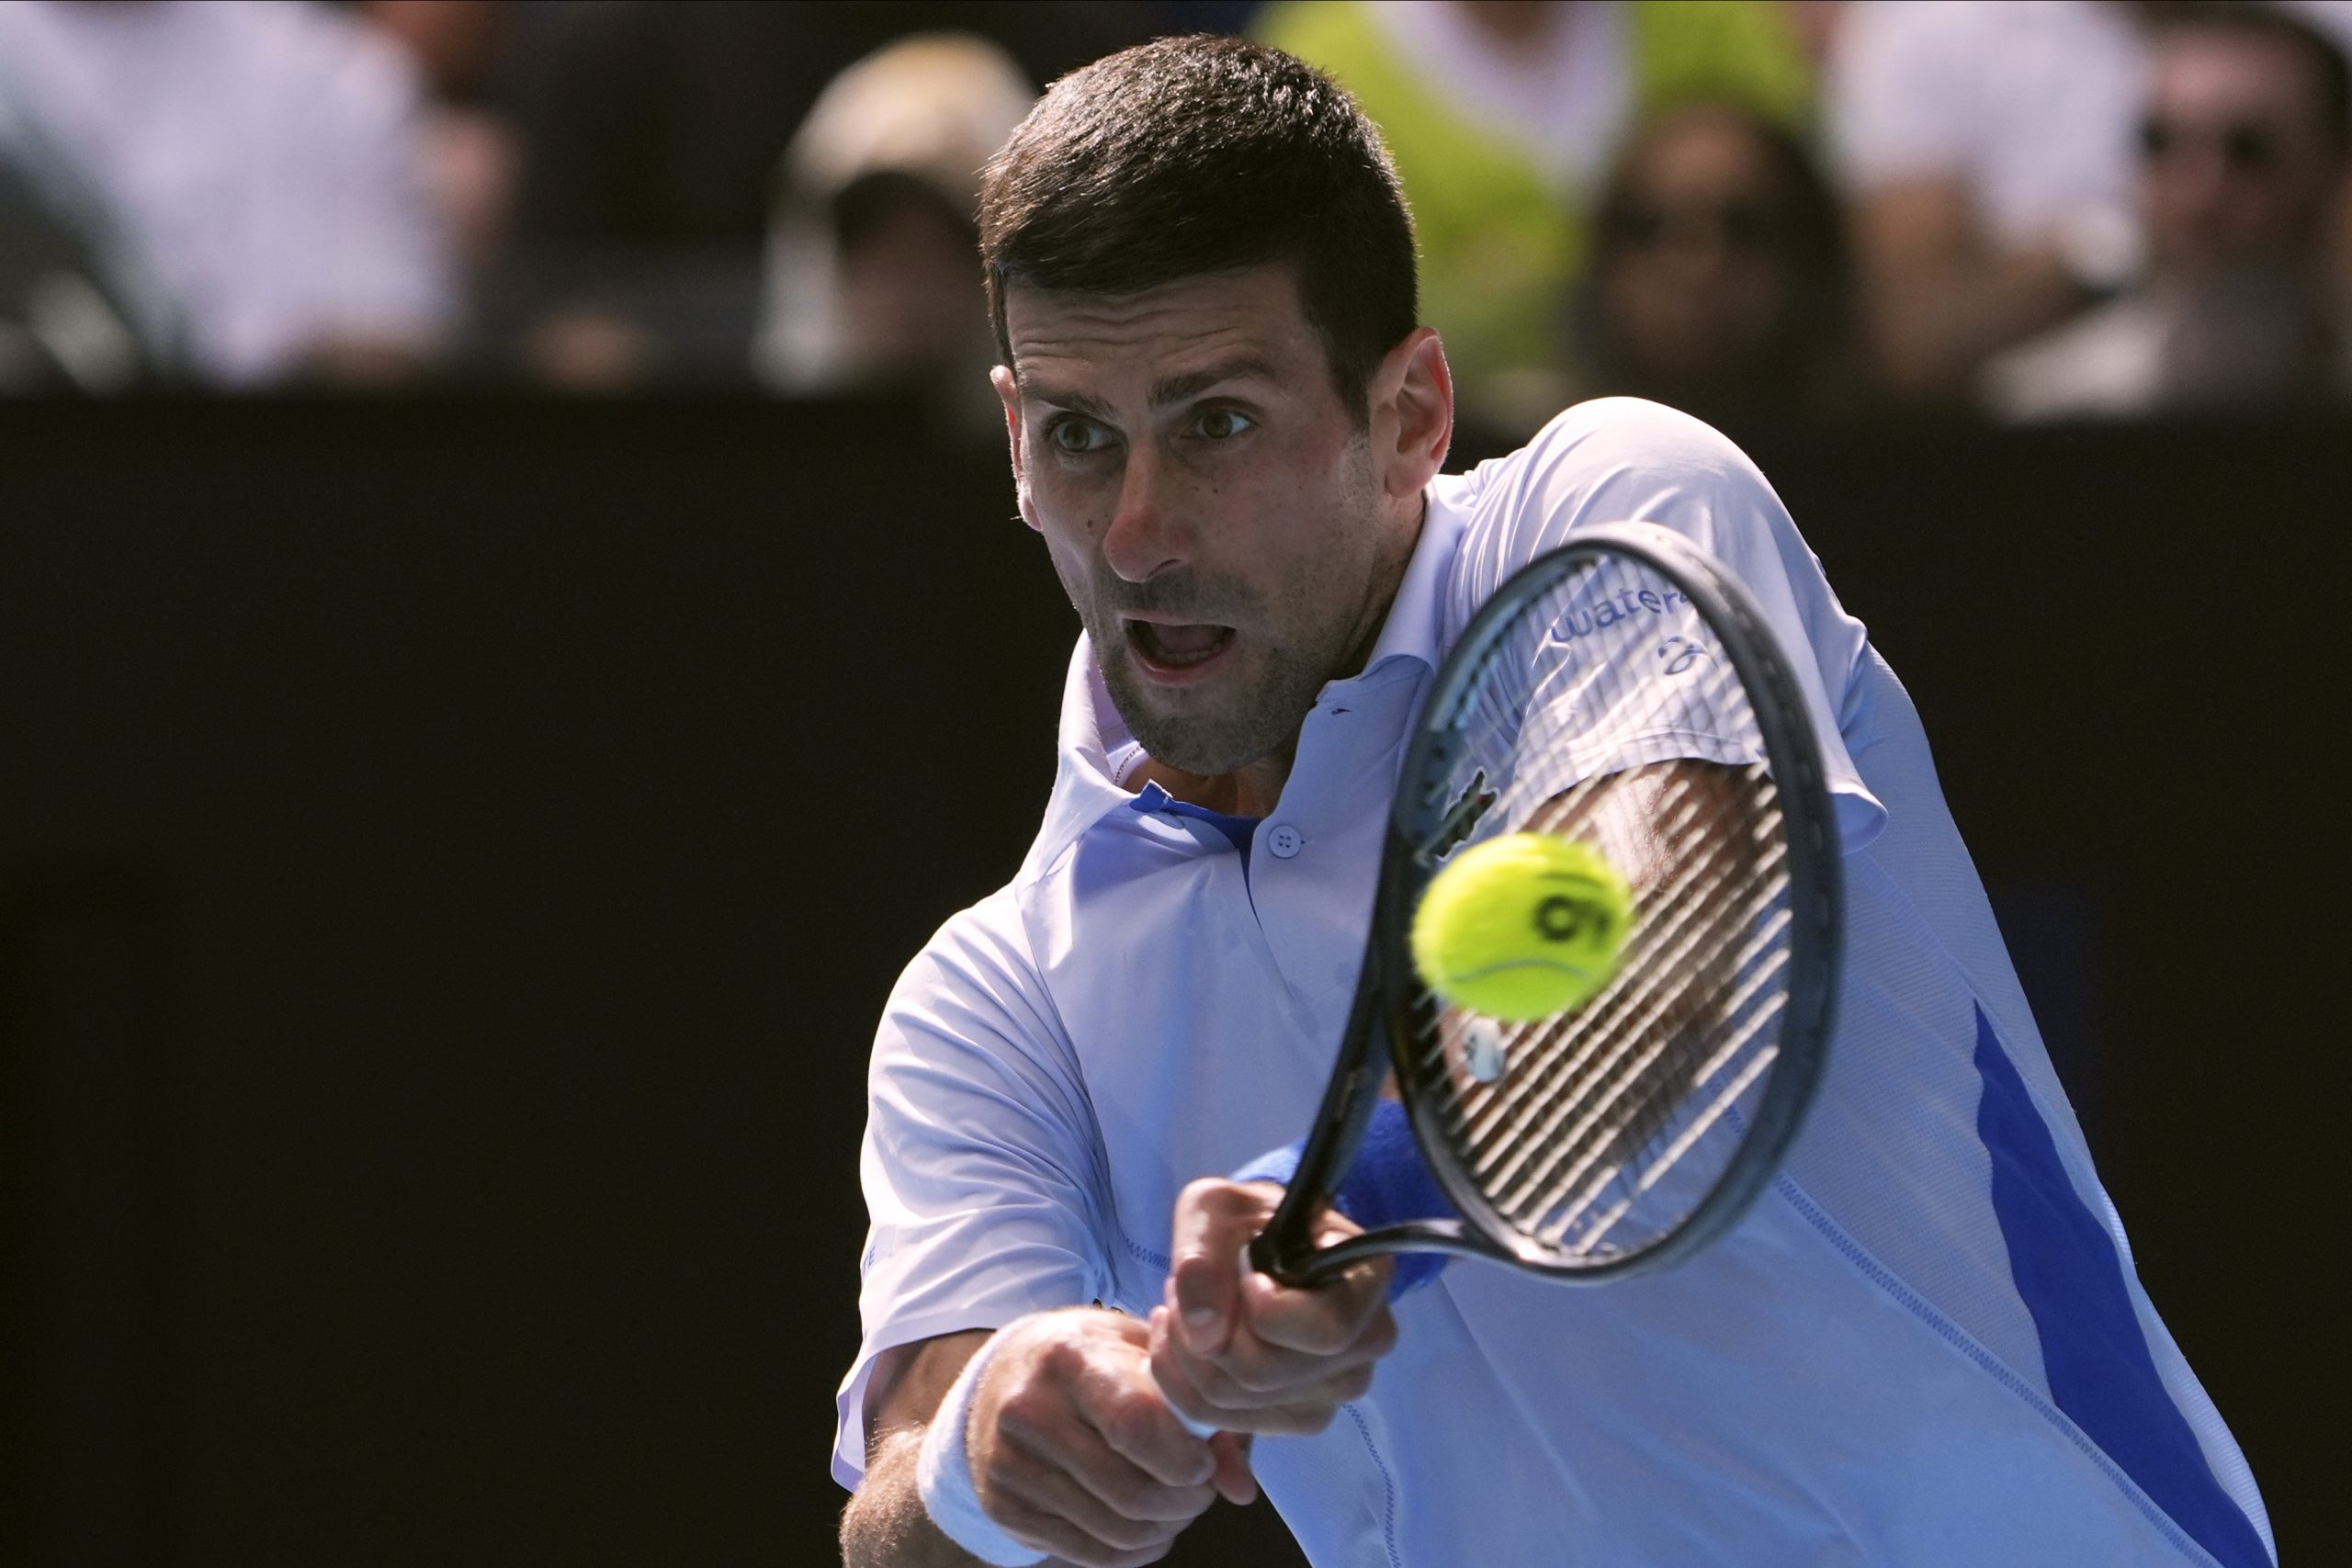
point(1755, 210)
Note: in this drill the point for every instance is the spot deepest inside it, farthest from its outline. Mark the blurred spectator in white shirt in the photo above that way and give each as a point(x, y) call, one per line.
point(874, 269)
point(262, 161)
point(1720, 282)
point(2244, 147)
point(1986, 146)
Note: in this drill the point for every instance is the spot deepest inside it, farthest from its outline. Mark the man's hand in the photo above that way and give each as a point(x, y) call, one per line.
point(1233, 1350)
point(1075, 1452)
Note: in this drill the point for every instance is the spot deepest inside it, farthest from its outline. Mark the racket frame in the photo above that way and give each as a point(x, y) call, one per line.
point(1387, 993)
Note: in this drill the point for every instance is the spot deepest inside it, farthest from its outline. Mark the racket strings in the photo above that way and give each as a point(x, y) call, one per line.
point(1599, 1110)
point(1608, 1076)
point(1604, 1012)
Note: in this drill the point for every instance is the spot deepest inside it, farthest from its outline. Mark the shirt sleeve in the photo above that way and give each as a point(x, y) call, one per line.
point(1621, 460)
point(980, 1162)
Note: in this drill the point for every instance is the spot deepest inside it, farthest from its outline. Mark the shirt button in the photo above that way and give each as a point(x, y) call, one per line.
point(1285, 840)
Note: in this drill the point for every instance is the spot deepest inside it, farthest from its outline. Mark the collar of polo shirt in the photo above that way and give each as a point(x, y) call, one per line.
point(1086, 784)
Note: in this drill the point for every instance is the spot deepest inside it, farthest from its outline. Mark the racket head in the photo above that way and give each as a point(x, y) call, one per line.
point(1623, 1133)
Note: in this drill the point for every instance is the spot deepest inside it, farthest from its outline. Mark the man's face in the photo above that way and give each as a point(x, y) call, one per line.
point(2236, 170)
point(1213, 510)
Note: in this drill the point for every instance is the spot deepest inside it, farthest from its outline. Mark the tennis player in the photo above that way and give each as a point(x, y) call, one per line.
point(1925, 1344)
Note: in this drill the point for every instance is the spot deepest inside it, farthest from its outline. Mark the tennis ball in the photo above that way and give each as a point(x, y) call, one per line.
point(1521, 927)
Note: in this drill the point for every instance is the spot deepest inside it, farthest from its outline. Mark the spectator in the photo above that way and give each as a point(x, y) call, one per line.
point(259, 163)
point(874, 259)
point(650, 149)
point(466, 51)
point(1986, 147)
point(1719, 280)
point(1503, 117)
point(2243, 155)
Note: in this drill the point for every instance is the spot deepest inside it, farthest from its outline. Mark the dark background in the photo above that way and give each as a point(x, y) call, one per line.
point(452, 854)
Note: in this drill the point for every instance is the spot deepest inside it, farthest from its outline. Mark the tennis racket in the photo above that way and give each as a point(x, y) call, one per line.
point(1624, 690)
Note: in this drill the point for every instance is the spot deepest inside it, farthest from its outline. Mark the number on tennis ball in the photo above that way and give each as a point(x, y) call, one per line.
point(1521, 927)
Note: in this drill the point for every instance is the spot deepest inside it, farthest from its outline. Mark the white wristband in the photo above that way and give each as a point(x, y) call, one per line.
point(943, 1471)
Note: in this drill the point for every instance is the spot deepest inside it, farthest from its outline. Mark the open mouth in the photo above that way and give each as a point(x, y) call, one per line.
point(1176, 649)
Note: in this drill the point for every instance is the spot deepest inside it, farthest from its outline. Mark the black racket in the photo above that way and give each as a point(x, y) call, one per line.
point(1625, 690)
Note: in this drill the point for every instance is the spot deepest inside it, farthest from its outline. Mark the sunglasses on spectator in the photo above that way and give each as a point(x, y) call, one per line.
point(1747, 227)
point(2247, 148)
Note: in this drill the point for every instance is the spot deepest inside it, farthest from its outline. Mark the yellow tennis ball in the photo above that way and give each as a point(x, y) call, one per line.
point(1521, 927)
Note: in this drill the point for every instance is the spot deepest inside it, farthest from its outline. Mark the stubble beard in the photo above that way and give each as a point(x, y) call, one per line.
point(1298, 639)
point(1258, 715)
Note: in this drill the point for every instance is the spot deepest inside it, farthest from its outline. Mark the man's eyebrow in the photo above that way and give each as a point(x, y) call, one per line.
point(1242, 368)
point(1171, 390)
point(1077, 402)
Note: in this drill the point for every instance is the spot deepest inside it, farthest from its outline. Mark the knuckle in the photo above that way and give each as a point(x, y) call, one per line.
point(1315, 1333)
point(1212, 1384)
point(1210, 1194)
point(1131, 1424)
point(1061, 1359)
point(1258, 1374)
point(1025, 1409)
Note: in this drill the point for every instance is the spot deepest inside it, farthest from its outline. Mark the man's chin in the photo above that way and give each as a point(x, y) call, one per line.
point(1179, 727)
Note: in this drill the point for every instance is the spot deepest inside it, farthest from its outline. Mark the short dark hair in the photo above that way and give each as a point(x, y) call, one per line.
point(1204, 154)
point(2331, 73)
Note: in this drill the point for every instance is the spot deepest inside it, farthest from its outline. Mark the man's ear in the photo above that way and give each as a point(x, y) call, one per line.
point(1008, 392)
point(1411, 398)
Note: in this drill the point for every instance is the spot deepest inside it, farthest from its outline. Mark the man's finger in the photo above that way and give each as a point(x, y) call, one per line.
point(1234, 1481)
point(1131, 1412)
point(1084, 1482)
point(1045, 1528)
point(1172, 1371)
point(1214, 1220)
point(1205, 1395)
point(1323, 1320)
point(1251, 1375)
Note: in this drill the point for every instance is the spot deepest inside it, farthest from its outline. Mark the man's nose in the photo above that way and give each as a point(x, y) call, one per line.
point(1143, 540)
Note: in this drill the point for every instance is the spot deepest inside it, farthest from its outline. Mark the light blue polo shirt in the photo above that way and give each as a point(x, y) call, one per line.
point(1926, 1345)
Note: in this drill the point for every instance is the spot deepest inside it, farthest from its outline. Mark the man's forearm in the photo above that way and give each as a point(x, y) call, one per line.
point(886, 1525)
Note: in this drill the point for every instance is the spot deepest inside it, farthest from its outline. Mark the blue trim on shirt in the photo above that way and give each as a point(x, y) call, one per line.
point(2094, 1353)
point(1387, 1486)
point(1242, 831)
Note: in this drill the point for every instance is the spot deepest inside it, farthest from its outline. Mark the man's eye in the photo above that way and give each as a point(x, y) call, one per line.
point(1076, 437)
point(1224, 424)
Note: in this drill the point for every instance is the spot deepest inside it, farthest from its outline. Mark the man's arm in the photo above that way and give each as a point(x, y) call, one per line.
point(884, 1522)
point(1073, 1450)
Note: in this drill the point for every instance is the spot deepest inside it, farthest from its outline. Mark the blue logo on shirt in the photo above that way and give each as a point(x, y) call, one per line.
point(1623, 605)
point(1681, 652)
